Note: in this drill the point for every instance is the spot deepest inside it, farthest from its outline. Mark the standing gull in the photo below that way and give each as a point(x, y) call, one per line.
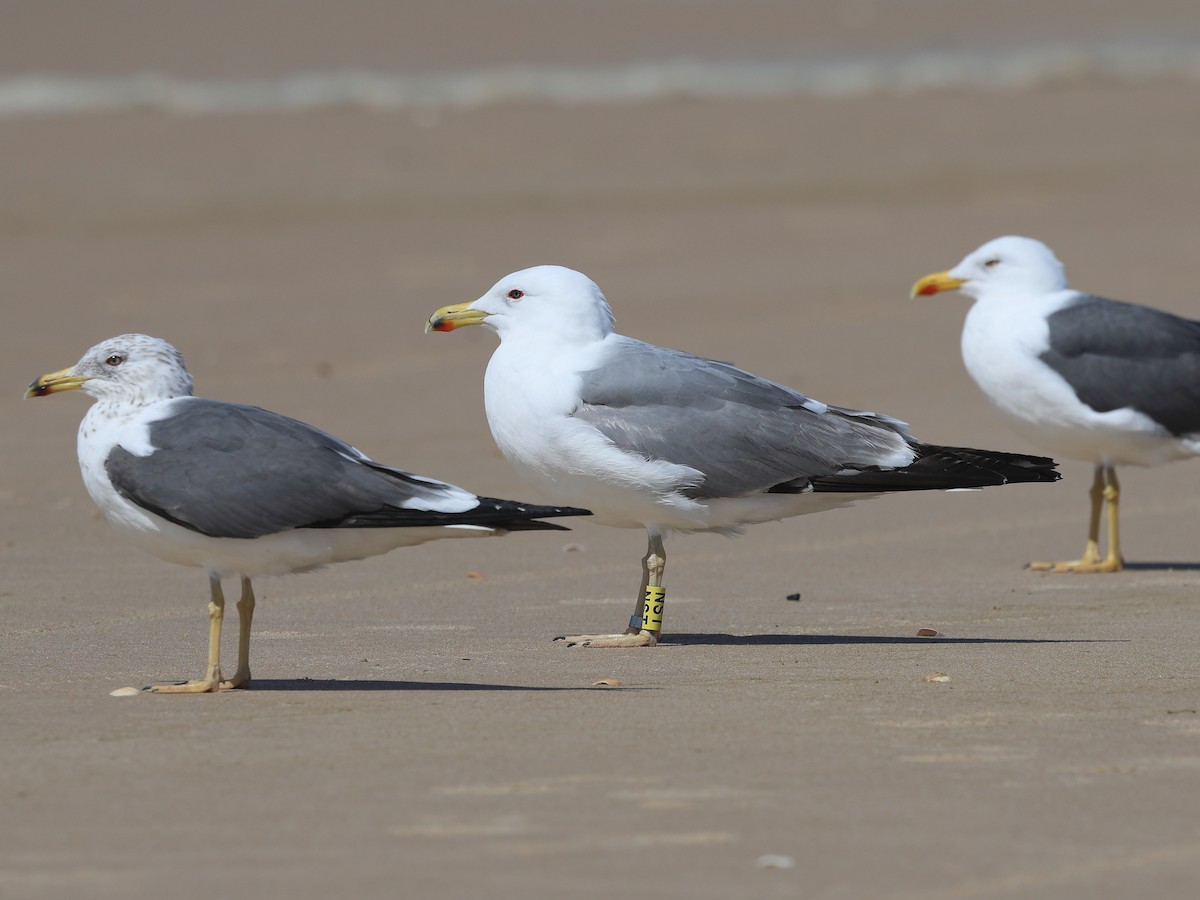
point(240, 491)
point(659, 439)
point(1087, 378)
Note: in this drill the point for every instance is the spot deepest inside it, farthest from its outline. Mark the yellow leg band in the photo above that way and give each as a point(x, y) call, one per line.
point(652, 608)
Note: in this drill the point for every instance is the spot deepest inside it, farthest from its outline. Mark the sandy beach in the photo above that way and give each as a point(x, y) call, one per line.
point(411, 730)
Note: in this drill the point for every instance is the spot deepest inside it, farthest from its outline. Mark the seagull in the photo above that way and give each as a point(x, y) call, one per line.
point(653, 438)
point(241, 491)
point(1086, 378)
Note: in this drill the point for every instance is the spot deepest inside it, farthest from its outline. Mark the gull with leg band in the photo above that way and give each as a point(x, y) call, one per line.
point(648, 437)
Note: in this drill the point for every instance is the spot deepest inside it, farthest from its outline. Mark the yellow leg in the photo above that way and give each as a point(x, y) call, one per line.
point(1114, 562)
point(212, 678)
point(1105, 490)
point(639, 602)
point(245, 608)
point(654, 597)
point(654, 563)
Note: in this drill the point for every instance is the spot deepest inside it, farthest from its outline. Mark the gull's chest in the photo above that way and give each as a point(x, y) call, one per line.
point(1001, 349)
point(529, 399)
point(102, 429)
point(1003, 354)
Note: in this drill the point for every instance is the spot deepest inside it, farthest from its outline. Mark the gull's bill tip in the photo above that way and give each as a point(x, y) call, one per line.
point(457, 315)
point(53, 382)
point(935, 284)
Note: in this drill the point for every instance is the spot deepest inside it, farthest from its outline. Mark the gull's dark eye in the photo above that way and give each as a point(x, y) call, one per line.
point(992, 263)
point(115, 360)
point(516, 294)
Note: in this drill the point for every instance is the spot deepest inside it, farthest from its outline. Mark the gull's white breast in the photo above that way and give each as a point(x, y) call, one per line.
point(1002, 342)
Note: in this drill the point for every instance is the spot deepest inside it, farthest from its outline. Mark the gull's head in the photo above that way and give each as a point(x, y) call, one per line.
point(133, 369)
point(1010, 264)
point(550, 302)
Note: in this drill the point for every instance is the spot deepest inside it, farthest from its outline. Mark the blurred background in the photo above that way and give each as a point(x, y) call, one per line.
point(286, 189)
point(279, 184)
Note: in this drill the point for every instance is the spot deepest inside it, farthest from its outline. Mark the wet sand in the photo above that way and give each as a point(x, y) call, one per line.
point(411, 730)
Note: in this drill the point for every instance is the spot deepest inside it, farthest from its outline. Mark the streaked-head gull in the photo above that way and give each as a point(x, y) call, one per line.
point(656, 438)
point(240, 491)
point(1084, 377)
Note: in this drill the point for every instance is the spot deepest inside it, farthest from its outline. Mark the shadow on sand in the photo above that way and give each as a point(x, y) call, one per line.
point(361, 684)
point(1163, 566)
point(691, 639)
point(769, 640)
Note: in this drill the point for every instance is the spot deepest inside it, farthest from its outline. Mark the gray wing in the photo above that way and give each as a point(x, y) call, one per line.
point(228, 470)
point(1116, 355)
point(743, 432)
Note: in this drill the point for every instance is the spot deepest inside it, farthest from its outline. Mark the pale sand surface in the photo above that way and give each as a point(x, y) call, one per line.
point(411, 731)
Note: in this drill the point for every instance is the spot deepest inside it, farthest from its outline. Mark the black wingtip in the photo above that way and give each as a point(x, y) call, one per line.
point(946, 468)
point(515, 516)
point(1004, 468)
point(504, 515)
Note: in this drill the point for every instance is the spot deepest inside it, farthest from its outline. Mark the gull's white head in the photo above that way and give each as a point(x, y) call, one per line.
point(1012, 264)
point(130, 369)
point(552, 302)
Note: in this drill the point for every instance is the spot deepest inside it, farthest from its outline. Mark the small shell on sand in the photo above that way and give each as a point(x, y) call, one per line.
point(775, 861)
